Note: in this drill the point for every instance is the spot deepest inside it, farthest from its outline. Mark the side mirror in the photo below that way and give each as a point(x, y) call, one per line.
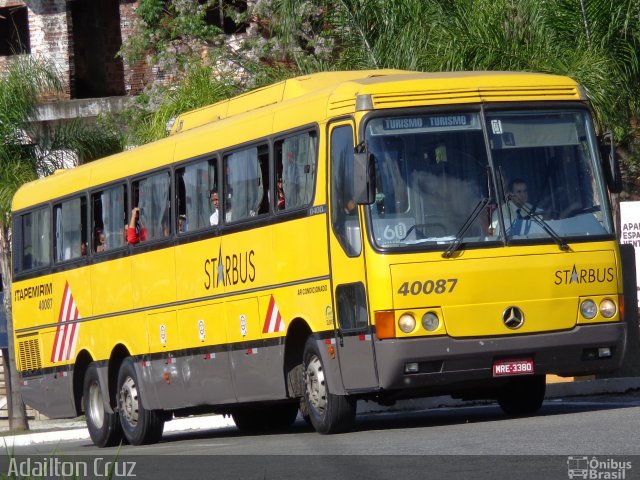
point(610, 164)
point(364, 178)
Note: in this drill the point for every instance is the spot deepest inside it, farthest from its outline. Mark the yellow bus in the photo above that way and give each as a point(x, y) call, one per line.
point(342, 236)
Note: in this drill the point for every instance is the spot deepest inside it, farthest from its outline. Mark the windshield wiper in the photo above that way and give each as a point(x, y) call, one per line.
point(539, 221)
point(460, 235)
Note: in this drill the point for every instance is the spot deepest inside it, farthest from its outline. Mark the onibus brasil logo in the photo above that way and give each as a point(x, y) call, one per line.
point(595, 468)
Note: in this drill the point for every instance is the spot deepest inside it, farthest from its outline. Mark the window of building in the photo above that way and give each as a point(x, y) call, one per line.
point(227, 15)
point(14, 31)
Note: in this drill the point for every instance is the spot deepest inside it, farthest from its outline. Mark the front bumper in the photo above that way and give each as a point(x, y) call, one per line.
point(446, 361)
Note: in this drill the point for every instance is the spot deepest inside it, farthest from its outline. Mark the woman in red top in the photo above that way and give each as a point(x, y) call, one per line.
point(136, 232)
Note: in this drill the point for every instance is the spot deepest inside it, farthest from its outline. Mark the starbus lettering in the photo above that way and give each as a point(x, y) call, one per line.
point(35, 291)
point(584, 275)
point(228, 270)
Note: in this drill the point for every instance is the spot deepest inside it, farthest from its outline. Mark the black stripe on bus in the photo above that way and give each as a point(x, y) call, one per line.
point(182, 353)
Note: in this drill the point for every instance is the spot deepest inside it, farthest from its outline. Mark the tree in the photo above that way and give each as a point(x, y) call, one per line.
point(596, 42)
point(152, 113)
point(21, 160)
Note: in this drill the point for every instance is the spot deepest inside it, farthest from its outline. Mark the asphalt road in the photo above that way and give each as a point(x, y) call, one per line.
point(474, 442)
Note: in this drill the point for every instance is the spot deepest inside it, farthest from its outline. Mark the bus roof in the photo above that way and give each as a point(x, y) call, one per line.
point(300, 101)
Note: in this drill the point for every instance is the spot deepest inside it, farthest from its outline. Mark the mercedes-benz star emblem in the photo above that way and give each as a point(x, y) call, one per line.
point(513, 317)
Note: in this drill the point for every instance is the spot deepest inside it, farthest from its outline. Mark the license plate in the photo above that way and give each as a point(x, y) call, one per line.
point(522, 366)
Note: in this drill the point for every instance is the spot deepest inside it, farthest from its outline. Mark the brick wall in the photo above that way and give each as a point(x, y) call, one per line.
point(47, 32)
point(136, 75)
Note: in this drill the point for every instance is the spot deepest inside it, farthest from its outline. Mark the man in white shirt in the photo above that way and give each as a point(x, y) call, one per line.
point(215, 205)
point(511, 211)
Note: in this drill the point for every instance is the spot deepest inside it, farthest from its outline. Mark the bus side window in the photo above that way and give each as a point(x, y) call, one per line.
point(193, 186)
point(70, 229)
point(36, 238)
point(352, 306)
point(151, 197)
point(344, 214)
point(295, 168)
point(109, 218)
point(246, 183)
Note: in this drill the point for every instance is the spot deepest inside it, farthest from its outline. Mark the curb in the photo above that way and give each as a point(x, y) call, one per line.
point(78, 431)
point(60, 431)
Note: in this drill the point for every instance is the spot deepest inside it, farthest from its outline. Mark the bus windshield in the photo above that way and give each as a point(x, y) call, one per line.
point(537, 179)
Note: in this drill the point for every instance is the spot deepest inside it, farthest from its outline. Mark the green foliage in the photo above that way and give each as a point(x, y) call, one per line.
point(22, 160)
point(151, 11)
point(596, 42)
point(151, 116)
point(170, 31)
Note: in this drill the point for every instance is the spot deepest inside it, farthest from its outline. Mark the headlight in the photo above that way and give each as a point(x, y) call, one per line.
point(607, 308)
point(588, 309)
point(407, 323)
point(430, 321)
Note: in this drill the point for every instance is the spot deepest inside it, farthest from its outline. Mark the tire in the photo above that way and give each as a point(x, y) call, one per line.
point(104, 427)
point(304, 411)
point(328, 413)
point(522, 395)
point(139, 425)
point(265, 418)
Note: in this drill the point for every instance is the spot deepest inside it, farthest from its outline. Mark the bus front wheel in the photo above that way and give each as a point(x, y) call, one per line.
point(328, 413)
point(522, 395)
point(139, 425)
point(104, 427)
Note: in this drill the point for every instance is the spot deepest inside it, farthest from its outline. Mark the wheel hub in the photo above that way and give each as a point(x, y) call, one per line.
point(315, 385)
point(95, 407)
point(129, 402)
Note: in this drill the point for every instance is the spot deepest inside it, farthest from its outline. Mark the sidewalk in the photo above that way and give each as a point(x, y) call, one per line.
point(55, 431)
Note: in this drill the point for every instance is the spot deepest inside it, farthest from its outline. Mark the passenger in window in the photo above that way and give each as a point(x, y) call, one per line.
point(182, 223)
point(83, 248)
point(102, 241)
point(379, 203)
point(166, 228)
point(281, 202)
point(351, 208)
point(136, 231)
point(228, 214)
point(215, 208)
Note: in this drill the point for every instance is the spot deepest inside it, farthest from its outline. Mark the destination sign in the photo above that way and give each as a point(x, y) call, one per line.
point(424, 123)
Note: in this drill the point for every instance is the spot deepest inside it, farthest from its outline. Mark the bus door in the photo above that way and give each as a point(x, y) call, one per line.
point(353, 331)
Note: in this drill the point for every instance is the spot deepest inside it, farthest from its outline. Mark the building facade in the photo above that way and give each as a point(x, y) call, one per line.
point(82, 38)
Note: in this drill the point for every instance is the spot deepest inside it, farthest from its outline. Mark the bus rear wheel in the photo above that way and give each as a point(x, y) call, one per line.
point(139, 425)
point(104, 427)
point(328, 413)
point(522, 395)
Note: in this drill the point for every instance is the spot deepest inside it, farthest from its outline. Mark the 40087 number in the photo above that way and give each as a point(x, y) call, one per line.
point(45, 304)
point(428, 287)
